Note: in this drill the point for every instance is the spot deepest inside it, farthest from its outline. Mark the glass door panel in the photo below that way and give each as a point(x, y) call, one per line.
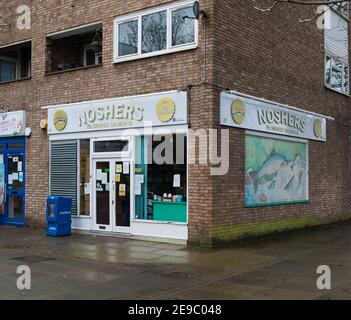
point(15, 206)
point(15, 188)
point(122, 194)
point(112, 195)
point(15, 172)
point(102, 195)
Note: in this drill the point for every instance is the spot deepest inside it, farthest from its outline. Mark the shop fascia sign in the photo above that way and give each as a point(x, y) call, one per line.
point(12, 124)
point(255, 114)
point(160, 109)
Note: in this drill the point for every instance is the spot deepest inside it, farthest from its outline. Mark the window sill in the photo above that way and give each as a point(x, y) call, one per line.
point(17, 80)
point(73, 69)
point(337, 91)
point(80, 217)
point(159, 222)
point(117, 60)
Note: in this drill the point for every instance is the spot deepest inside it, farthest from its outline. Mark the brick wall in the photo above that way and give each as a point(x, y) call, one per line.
point(163, 73)
point(268, 55)
point(274, 56)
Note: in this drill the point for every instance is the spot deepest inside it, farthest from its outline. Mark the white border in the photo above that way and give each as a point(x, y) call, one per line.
point(291, 139)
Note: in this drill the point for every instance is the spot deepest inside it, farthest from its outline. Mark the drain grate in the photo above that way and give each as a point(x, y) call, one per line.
point(33, 259)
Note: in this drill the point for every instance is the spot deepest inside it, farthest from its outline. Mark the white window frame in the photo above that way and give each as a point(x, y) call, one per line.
point(138, 17)
point(329, 86)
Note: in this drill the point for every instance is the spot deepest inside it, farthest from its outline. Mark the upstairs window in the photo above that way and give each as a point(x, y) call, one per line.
point(155, 32)
point(74, 48)
point(342, 8)
point(336, 75)
point(15, 62)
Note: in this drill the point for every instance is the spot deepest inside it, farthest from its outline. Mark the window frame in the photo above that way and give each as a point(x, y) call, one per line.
point(97, 56)
point(335, 7)
point(18, 67)
point(342, 69)
point(306, 142)
point(138, 17)
point(79, 157)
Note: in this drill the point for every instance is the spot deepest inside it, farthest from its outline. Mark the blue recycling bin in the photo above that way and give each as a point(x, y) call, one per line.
point(58, 216)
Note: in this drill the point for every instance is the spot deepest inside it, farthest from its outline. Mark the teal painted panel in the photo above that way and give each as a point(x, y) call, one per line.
point(170, 211)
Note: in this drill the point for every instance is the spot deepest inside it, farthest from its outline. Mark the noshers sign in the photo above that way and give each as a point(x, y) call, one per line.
point(159, 109)
point(249, 113)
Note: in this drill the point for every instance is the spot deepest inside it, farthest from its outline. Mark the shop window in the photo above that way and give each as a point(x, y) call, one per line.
point(74, 49)
point(336, 75)
point(84, 182)
point(15, 62)
point(160, 31)
point(161, 178)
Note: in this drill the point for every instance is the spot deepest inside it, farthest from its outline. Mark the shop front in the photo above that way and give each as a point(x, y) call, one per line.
point(12, 168)
point(123, 162)
point(276, 147)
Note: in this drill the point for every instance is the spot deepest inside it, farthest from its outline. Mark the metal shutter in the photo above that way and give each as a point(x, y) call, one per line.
point(63, 170)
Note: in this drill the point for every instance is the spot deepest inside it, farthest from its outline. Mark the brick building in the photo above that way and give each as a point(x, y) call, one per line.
point(80, 88)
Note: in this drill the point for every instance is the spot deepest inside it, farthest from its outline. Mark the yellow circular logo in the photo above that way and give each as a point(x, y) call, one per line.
point(317, 128)
point(165, 109)
point(238, 111)
point(60, 120)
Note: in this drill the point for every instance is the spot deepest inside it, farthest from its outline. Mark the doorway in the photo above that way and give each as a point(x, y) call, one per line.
point(12, 181)
point(111, 195)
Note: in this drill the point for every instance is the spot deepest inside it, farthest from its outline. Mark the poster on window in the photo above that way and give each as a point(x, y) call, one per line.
point(276, 171)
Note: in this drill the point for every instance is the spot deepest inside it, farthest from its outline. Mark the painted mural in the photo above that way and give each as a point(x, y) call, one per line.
point(276, 171)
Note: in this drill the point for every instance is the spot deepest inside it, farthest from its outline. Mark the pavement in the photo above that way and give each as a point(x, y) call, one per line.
point(101, 267)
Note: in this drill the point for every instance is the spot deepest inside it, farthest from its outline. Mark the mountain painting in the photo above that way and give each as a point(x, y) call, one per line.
point(275, 171)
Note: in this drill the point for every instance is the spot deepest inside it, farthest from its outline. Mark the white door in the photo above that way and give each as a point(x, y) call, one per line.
point(112, 195)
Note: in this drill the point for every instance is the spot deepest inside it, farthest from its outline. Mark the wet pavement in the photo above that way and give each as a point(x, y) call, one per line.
point(99, 267)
